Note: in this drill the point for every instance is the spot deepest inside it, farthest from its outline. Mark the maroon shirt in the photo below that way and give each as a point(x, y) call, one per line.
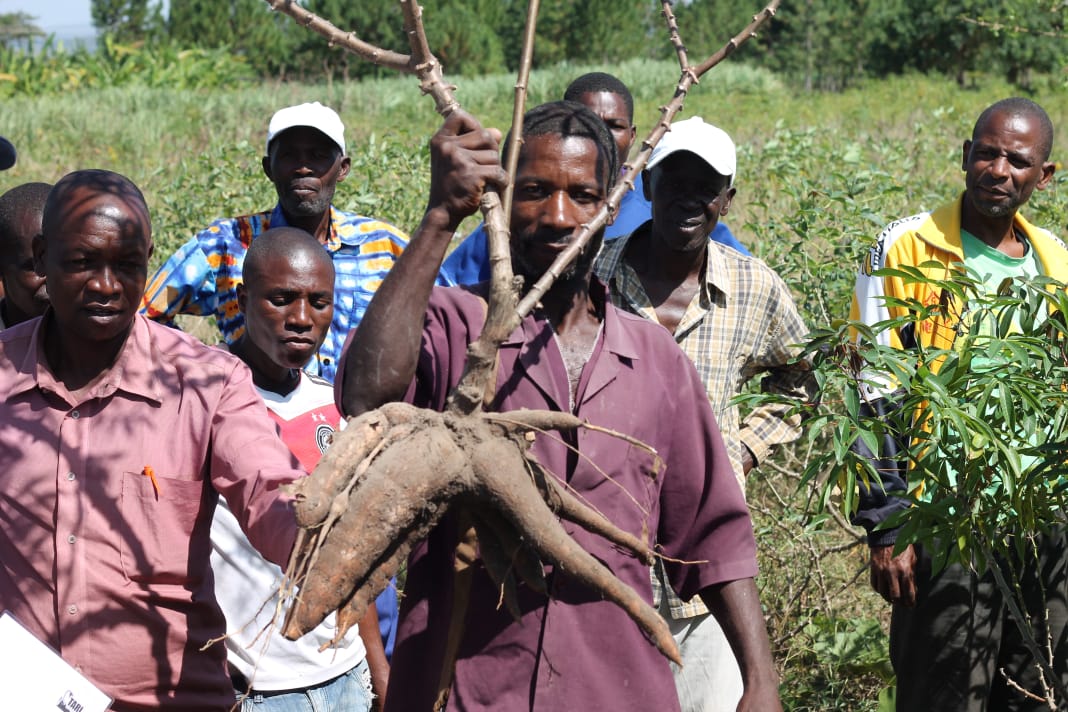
point(94, 560)
point(574, 651)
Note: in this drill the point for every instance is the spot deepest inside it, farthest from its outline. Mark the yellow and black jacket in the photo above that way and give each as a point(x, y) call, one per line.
point(931, 239)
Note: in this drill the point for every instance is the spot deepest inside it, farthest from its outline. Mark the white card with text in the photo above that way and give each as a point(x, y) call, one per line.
point(33, 678)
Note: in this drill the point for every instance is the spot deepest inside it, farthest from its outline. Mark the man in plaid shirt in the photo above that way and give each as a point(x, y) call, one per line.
point(734, 317)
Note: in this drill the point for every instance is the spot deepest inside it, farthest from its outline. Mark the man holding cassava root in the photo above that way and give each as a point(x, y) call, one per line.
point(575, 353)
point(735, 319)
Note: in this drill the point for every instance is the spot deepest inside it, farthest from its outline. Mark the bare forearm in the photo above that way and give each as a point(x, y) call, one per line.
point(384, 353)
point(376, 655)
point(382, 359)
point(736, 606)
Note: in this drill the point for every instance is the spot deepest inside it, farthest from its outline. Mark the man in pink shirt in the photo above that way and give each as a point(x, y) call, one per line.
point(117, 436)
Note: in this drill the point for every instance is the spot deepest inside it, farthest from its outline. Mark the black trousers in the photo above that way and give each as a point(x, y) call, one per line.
point(957, 649)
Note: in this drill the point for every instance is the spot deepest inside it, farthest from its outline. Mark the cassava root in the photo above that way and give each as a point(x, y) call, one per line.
point(404, 485)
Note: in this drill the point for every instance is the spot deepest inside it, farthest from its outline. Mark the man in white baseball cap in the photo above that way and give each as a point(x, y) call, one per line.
point(314, 115)
point(709, 143)
point(305, 158)
point(734, 317)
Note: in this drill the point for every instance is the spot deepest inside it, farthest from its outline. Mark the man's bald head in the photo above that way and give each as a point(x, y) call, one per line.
point(24, 293)
point(289, 244)
point(100, 193)
point(20, 207)
point(94, 249)
point(1025, 108)
point(287, 298)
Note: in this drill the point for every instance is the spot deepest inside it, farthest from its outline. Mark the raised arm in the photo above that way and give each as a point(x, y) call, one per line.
point(380, 362)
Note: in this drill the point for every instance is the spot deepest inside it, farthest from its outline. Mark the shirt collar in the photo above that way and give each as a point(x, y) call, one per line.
point(716, 272)
point(134, 372)
point(617, 339)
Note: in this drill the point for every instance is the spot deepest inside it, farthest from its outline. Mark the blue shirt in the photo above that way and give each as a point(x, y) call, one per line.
point(201, 278)
point(469, 262)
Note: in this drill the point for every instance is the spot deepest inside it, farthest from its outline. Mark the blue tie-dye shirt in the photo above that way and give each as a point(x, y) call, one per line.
point(201, 278)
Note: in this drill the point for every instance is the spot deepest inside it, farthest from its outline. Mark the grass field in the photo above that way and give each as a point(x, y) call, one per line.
point(818, 177)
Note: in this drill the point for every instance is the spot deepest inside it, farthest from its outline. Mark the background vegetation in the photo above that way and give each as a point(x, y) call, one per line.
point(819, 44)
point(827, 44)
point(819, 174)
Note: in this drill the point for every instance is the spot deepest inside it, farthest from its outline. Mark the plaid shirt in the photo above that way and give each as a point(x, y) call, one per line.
point(741, 323)
point(201, 278)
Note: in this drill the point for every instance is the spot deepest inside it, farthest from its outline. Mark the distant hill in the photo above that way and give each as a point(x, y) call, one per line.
point(71, 39)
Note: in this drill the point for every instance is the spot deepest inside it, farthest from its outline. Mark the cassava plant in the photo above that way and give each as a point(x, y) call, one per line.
point(369, 501)
point(982, 429)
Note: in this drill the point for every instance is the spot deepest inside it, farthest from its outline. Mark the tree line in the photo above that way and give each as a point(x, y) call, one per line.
point(821, 44)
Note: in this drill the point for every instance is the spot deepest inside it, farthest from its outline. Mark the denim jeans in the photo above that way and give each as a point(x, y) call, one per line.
point(350, 692)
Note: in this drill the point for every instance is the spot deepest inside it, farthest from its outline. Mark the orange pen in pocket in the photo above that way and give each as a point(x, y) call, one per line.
point(151, 474)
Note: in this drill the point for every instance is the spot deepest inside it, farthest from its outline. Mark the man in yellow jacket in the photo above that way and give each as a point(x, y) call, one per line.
point(952, 643)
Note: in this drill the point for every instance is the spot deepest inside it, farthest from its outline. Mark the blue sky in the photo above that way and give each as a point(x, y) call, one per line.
point(65, 18)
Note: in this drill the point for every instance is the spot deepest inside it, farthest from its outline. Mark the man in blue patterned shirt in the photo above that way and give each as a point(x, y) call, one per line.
point(305, 160)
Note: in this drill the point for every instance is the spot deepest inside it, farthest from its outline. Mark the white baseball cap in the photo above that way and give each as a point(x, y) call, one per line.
point(314, 115)
point(709, 143)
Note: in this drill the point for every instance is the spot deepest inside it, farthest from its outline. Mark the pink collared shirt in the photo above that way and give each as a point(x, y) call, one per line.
point(100, 562)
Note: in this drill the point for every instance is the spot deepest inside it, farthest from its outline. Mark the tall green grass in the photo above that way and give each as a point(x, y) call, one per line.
point(819, 175)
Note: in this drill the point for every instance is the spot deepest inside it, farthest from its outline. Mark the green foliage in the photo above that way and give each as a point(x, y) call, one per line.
point(48, 70)
point(123, 20)
point(830, 44)
point(1014, 37)
point(248, 29)
point(816, 44)
point(984, 420)
point(16, 27)
point(465, 35)
point(983, 423)
point(857, 646)
point(379, 23)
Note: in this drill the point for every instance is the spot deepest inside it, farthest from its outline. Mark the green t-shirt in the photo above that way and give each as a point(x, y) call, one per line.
point(992, 267)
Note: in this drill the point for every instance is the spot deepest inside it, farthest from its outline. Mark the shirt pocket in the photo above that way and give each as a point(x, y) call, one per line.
point(621, 482)
point(156, 531)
